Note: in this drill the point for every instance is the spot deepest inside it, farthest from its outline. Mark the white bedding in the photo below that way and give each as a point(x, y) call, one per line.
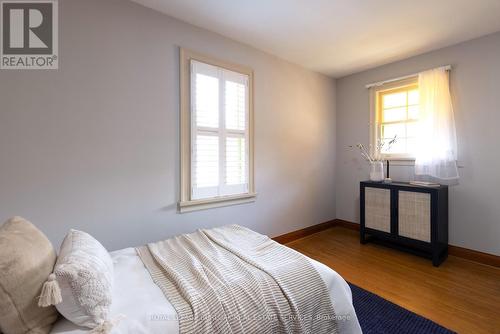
point(147, 311)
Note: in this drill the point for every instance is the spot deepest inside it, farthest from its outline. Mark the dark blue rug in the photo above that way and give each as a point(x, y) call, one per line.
point(379, 316)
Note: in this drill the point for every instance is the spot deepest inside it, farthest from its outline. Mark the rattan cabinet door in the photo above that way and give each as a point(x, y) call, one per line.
point(378, 209)
point(414, 215)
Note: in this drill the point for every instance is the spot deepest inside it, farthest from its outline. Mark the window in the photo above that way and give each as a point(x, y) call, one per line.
point(216, 133)
point(396, 110)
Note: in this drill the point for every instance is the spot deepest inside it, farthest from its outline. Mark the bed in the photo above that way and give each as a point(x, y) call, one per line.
point(146, 310)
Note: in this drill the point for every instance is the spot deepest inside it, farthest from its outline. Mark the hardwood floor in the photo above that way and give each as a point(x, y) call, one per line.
point(460, 294)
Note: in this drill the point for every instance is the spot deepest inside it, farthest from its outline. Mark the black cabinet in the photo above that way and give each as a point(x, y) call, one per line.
point(407, 217)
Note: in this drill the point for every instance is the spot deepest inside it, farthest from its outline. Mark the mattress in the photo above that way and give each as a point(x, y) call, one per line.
point(143, 308)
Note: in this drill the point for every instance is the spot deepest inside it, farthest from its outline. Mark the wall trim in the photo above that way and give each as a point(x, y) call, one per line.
point(304, 232)
point(464, 253)
point(473, 255)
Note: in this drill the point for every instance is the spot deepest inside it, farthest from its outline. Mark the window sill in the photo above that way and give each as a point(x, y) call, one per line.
point(209, 203)
point(401, 161)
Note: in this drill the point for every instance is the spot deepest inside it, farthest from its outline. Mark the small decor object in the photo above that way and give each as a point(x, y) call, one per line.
point(376, 161)
point(387, 178)
point(377, 171)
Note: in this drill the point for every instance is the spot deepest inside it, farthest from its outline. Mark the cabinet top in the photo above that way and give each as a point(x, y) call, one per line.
point(401, 184)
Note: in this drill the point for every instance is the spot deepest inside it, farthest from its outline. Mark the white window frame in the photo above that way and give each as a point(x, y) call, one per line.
point(375, 123)
point(186, 202)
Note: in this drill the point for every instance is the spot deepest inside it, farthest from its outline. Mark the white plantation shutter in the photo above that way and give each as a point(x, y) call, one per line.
point(235, 161)
point(219, 131)
point(235, 101)
point(205, 166)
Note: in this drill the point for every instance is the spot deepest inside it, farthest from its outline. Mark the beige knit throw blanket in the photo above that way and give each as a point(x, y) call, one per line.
point(233, 280)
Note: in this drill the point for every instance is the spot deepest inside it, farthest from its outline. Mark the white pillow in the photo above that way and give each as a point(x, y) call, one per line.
point(84, 272)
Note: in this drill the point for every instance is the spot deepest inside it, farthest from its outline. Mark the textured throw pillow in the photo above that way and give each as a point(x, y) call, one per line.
point(84, 273)
point(26, 260)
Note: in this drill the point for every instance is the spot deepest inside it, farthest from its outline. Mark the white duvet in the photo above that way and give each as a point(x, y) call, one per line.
point(147, 311)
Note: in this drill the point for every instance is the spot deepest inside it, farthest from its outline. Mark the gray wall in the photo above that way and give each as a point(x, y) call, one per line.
point(94, 145)
point(474, 204)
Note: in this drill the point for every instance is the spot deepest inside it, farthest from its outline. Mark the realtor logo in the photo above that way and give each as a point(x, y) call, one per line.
point(29, 35)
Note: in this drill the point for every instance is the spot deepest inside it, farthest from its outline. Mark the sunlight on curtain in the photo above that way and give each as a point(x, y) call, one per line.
point(437, 141)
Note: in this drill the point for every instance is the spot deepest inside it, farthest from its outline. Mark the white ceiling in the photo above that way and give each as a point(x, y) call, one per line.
point(340, 37)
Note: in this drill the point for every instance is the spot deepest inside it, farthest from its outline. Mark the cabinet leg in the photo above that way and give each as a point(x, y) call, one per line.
point(439, 257)
point(435, 258)
point(362, 238)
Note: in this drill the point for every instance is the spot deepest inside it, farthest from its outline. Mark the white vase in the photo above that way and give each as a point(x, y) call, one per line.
point(377, 171)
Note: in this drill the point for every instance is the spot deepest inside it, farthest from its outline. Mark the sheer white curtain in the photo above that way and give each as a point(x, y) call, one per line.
point(437, 140)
